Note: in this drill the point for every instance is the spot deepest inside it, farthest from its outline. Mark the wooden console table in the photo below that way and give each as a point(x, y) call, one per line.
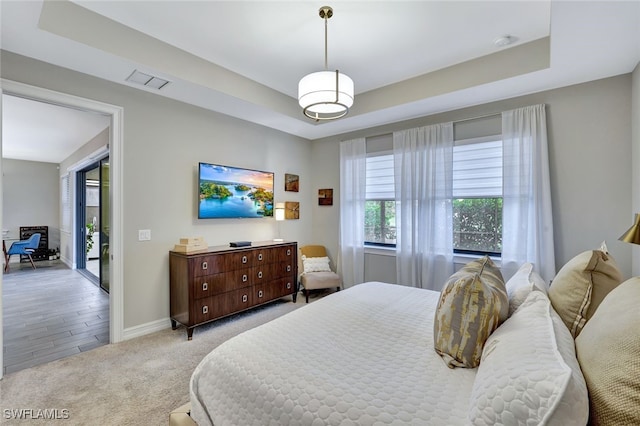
point(220, 281)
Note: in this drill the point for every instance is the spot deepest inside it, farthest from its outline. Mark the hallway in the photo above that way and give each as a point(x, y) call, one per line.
point(50, 313)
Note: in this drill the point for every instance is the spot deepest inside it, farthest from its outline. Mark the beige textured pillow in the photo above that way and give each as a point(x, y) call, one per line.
point(608, 349)
point(472, 304)
point(581, 285)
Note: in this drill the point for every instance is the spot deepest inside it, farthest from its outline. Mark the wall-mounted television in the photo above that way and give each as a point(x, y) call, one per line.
point(233, 192)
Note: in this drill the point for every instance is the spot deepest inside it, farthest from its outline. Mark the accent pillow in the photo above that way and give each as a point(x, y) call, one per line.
point(608, 349)
point(472, 304)
point(523, 282)
point(315, 264)
point(528, 375)
point(581, 285)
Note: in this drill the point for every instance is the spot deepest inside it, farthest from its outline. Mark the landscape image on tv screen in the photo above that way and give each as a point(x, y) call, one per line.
point(231, 192)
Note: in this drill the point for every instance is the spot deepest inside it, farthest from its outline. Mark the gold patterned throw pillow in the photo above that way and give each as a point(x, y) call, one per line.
point(473, 303)
point(581, 284)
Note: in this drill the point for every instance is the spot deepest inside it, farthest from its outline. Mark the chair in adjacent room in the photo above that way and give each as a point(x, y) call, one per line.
point(23, 247)
point(316, 272)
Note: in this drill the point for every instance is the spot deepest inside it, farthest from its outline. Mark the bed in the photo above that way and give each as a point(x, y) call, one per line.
point(365, 356)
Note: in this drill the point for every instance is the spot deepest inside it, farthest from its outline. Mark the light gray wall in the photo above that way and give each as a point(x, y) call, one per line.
point(635, 158)
point(589, 133)
point(163, 142)
point(31, 197)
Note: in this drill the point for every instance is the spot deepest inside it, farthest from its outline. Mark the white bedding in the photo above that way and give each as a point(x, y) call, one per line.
point(361, 356)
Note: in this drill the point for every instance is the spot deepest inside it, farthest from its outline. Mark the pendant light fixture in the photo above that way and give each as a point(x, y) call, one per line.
point(325, 95)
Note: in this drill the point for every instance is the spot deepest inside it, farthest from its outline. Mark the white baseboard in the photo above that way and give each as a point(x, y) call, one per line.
point(144, 329)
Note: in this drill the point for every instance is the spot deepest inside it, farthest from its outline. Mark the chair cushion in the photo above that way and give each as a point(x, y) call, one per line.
point(316, 280)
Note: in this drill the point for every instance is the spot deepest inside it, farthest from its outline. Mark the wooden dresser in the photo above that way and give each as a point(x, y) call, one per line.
point(220, 281)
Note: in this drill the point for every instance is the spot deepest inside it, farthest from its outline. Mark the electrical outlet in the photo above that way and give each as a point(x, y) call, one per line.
point(144, 234)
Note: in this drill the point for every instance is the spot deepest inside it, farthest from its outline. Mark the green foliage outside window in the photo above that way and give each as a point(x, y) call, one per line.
point(380, 222)
point(477, 224)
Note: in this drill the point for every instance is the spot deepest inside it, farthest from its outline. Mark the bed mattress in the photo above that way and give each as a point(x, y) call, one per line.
point(361, 356)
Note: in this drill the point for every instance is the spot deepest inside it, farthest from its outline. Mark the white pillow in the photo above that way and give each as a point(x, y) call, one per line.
point(523, 377)
point(521, 284)
point(315, 264)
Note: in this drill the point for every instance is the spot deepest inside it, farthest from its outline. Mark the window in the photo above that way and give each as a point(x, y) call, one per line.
point(477, 196)
point(380, 207)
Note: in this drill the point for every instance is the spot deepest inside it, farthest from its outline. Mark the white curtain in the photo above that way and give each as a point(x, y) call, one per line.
point(423, 181)
point(527, 224)
point(353, 166)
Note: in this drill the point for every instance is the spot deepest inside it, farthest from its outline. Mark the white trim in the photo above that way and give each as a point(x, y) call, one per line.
point(148, 328)
point(116, 272)
point(96, 155)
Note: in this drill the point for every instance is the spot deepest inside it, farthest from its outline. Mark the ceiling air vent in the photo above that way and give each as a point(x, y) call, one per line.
point(147, 80)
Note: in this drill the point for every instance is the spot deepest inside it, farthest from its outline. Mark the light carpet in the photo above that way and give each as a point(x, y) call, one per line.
point(136, 382)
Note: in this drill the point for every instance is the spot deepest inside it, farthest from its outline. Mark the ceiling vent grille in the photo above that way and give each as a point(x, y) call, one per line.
point(147, 80)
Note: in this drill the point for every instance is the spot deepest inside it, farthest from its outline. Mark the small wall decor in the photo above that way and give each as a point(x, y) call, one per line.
point(291, 182)
point(325, 197)
point(291, 210)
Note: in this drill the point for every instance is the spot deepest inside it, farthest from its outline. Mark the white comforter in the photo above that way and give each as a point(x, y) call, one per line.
point(362, 356)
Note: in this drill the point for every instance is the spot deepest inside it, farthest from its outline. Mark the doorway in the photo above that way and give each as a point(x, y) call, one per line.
point(116, 144)
point(93, 219)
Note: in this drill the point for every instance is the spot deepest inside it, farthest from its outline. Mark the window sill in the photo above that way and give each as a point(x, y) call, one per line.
point(460, 259)
point(380, 250)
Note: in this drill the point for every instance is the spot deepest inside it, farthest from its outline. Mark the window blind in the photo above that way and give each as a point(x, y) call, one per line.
point(477, 169)
point(379, 181)
point(65, 201)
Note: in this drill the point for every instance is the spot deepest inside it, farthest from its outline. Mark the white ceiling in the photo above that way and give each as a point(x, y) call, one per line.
point(37, 131)
point(407, 58)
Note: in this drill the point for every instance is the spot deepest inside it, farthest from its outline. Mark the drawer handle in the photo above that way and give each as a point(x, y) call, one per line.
point(260, 294)
point(244, 259)
point(259, 274)
point(289, 252)
point(288, 286)
point(244, 298)
point(205, 309)
point(260, 256)
point(204, 265)
point(288, 268)
point(205, 286)
point(244, 278)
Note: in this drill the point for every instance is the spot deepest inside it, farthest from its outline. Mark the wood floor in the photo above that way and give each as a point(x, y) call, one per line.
point(50, 313)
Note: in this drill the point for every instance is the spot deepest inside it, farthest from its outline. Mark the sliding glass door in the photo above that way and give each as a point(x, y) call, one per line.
point(92, 245)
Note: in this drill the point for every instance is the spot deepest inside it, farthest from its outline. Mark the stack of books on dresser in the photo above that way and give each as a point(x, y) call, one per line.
point(190, 245)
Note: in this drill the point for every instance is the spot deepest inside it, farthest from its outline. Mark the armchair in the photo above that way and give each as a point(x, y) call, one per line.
point(315, 271)
point(23, 247)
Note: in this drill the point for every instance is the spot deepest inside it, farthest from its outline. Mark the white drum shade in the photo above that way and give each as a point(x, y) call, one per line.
point(317, 95)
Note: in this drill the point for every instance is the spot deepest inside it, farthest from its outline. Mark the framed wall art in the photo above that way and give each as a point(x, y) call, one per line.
point(291, 182)
point(325, 197)
point(291, 210)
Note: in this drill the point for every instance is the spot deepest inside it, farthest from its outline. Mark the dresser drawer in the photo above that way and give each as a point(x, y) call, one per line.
point(210, 285)
point(283, 254)
point(282, 269)
point(209, 308)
